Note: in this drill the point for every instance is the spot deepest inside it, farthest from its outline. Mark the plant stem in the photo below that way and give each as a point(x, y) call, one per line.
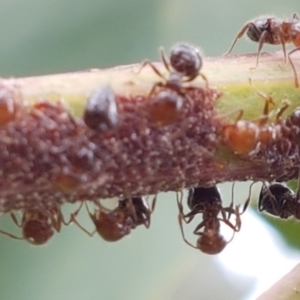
point(287, 288)
point(48, 155)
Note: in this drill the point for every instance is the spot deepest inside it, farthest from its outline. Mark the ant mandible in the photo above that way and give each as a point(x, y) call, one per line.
point(207, 201)
point(273, 31)
point(113, 225)
point(38, 225)
point(184, 65)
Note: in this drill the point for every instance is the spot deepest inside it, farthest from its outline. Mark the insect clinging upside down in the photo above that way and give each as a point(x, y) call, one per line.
point(207, 201)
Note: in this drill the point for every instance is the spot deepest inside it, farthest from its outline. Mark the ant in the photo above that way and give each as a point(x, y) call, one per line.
point(243, 137)
point(112, 225)
point(184, 65)
point(38, 225)
point(207, 201)
point(273, 31)
point(277, 200)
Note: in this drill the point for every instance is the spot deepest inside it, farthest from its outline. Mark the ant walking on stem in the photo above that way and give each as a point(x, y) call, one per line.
point(273, 31)
point(112, 225)
point(184, 65)
point(207, 201)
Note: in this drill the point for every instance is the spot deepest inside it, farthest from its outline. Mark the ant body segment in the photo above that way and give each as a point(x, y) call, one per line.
point(207, 201)
point(280, 201)
point(184, 65)
point(273, 31)
point(38, 225)
point(112, 225)
point(245, 137)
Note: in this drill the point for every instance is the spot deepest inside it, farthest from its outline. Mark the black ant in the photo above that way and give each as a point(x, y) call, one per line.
point(207, 201)
point(183, 66)
point(279, 200)
point(112, 225)
point(38, 225)
point(273, 31)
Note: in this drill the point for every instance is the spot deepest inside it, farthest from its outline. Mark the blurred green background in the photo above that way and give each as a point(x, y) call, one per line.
point(43, 37)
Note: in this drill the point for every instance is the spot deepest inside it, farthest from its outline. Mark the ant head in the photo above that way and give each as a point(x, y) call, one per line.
point(257, 27)
point(211, 243)
point(185, 59)
point(273, 199)
point(165, 107)
point(37, 231)
point(198, 195)
point(112, 226)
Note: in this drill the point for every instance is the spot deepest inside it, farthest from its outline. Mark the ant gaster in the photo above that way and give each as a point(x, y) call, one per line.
point(183, 66)
point(207, 201)
point(277, 200)
point(112, 225)
point(274, 31)
point(38, 225)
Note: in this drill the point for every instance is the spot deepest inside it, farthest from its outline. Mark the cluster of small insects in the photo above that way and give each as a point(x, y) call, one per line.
point(273, 31)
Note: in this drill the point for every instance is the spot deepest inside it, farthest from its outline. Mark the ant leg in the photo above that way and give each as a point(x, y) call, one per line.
point(293, 66)
point(157, 84)
point(286, 103)
point(11, 235)
point(15, 220)
point(198, 74)
point(282, 41)
point(151, 65)
point(73, 218)
point(268, 100)
point(164, 59)
point(260, 45)
point(180, 217)
point(153, 204)
point(238, 36)
point(295, 16)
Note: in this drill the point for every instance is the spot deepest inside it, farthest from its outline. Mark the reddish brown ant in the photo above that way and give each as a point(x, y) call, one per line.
point(112, 225)
point(183, 66)
point(243, 137)
point(38, 225)
point(273, 31)
point(207, 201)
